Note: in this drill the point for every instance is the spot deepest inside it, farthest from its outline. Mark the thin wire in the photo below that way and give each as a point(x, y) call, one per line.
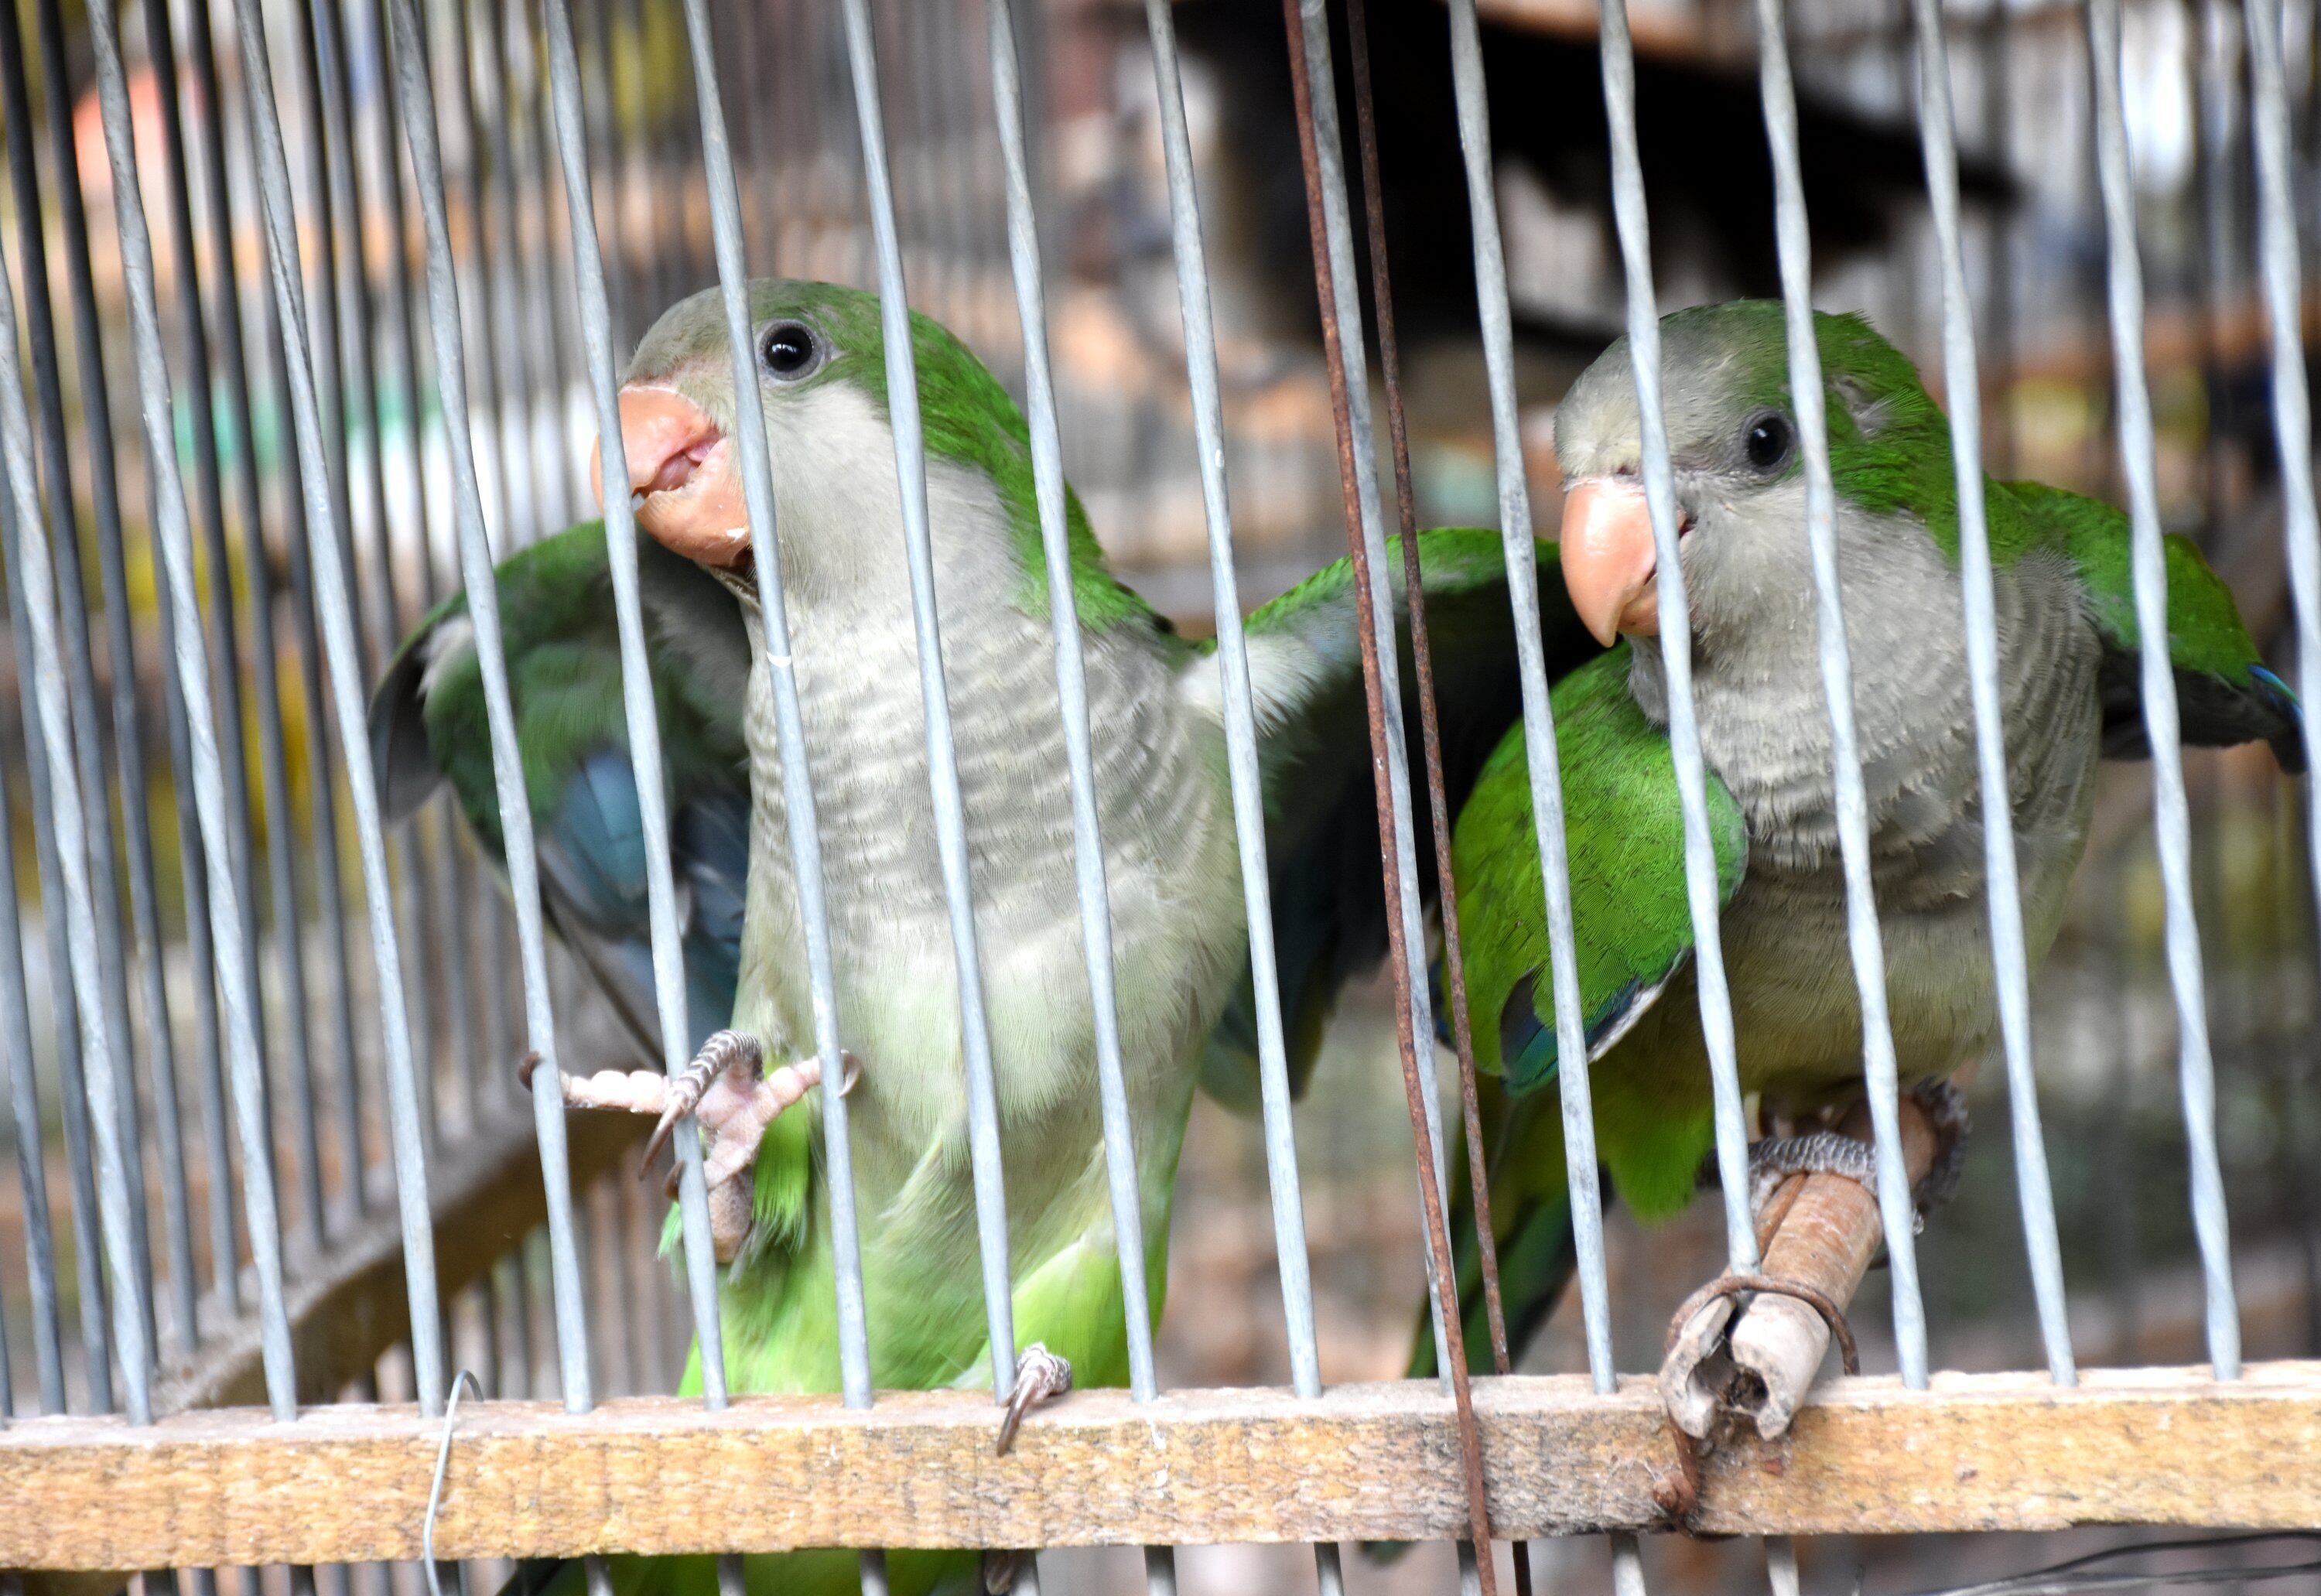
point(621, 544)
point(463, 1381)
point(1630, 221)
point(32, 1161)
point(2076, 1574)
point(80, 1164)
point(2171, 814)
point(2292, 410)
point(103, 1083)
point(1540, 757)
point(1071, 688)
point(56, 445)
point(1071, 692)
point(1454, 960)
point(416, 101)
point(797, 795)
point(332, 584)
point(1331, 233)
point(733, 277)
point(1243, 777)
point(232, 918)
point(261, 609)
point(943, 758)
point(349, 286)
point(2010, 963)
point(1880, 1069)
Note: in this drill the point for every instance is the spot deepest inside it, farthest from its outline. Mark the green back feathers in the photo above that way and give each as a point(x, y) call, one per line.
point(1627, 846)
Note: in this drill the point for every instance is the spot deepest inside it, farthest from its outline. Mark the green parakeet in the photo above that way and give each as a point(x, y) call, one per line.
point(1186, 1008)
point(2068, 685)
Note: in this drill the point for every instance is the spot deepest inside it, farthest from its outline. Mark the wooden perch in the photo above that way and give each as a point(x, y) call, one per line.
point(1819, 1231)
point(659, 1475)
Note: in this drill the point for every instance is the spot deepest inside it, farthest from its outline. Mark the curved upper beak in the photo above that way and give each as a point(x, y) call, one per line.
point(1608, 558)
point(682, 475)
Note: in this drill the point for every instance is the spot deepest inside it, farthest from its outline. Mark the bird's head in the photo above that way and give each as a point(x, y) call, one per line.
point(1734, 454)
point(819, 363)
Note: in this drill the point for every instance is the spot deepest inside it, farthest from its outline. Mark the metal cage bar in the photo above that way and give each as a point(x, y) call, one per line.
point(2010, 965)
point(942, 756)
point(1071, 692)
point(1193, 305)
point(1864, 940)
point(2171, 814)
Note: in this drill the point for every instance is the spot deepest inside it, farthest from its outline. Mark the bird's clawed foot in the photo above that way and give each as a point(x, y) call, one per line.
point(1774, 1159)
point(1041, 1376)
point(730, 1096)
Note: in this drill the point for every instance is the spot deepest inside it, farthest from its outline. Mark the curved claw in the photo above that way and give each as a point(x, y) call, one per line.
point(1041, 1376)
point(735, 1052)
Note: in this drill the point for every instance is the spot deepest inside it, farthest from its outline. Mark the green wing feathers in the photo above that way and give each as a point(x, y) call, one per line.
point(1627, 846)
point(1329, 914)
point(2225, 695)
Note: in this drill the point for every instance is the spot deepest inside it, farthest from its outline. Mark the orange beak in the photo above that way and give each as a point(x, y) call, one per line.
point(682, 467)
point(1608, 558)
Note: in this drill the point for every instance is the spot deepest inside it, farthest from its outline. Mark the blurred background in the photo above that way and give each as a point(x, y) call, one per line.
point(2104, 1032)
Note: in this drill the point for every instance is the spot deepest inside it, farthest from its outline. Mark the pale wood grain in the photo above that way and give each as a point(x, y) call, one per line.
point(660, 1475)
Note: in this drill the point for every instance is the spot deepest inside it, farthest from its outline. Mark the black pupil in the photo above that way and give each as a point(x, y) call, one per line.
point(788, 350)
point(1769, 440)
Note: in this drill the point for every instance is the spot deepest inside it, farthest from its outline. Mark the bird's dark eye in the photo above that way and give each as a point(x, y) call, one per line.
point(1768, 440)
point(790, 352)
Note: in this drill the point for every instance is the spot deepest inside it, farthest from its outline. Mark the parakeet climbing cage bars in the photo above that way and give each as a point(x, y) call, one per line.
point(426, 258)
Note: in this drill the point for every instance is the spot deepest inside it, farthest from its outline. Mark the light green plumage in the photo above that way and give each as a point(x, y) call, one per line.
point(2062, 564)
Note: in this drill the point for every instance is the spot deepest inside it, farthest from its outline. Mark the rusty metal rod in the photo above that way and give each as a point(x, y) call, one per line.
point(1443, 1277)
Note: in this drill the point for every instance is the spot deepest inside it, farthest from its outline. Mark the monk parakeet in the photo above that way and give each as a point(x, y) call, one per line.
point(1186, 1011)
point(2068, 683)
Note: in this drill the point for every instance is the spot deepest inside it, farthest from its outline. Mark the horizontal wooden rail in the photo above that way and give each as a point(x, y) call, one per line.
point(1365, 1462)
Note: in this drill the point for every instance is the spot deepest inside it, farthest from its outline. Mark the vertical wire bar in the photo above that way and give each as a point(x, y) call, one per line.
point(67, 815)
point(1631, 224)
point(54, 446)
point(1545, 769)
point(2280, 271)
point(416, 101)
point(620, 531)
point(1072, 690)
point(229, 916)
point(1314, 87)
point(2195, 1068)
point(263, 674)
point(496, 244)
point(88, 1246)
point(440, 845)
point(1455, 965)
point(327, 317)
point(31, 1168)
point(1792, 246)
point(350, 288)
point(330, 874)
point(224, 644)
point(80, 684)
point(797, 792)
point(80, 662)
point(1676, 652)
point(2010, 963)
point(1247, 785)
point(333, 587)
point(943, 758)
